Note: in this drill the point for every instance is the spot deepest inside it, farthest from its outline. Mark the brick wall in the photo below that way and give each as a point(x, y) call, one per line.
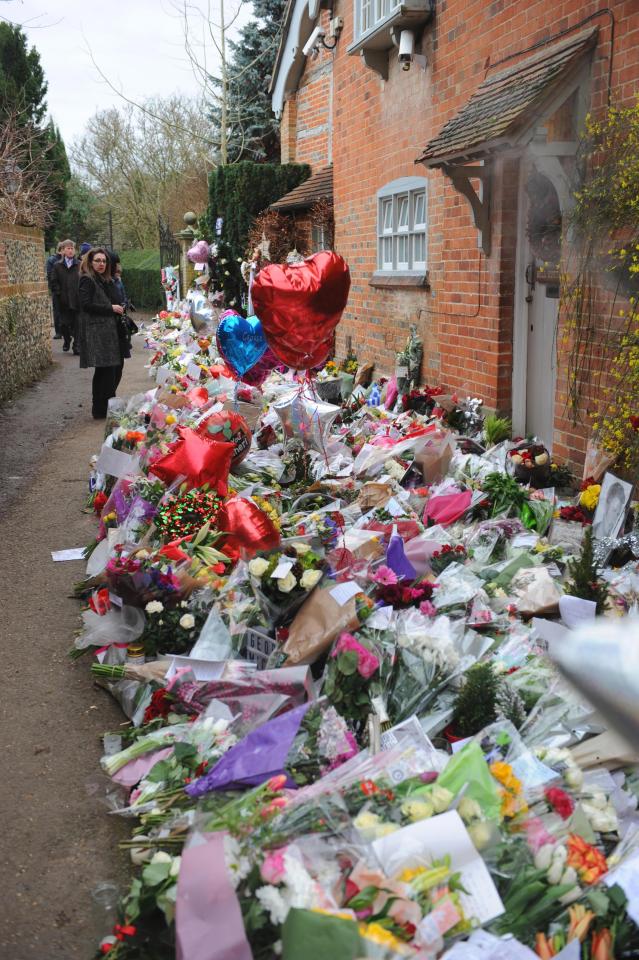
point(25, 312)
point(307, 117)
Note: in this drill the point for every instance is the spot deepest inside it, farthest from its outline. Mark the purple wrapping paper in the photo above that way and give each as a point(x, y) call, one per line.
point(208, 919)
point(397, 560)
point(255, 759)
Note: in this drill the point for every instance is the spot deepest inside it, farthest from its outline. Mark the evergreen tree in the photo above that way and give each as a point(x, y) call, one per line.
point(23, 87)
point(584, 577)
point(252, 130)
point(23, 90)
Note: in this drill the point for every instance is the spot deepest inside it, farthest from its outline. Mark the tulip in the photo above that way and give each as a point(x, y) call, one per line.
point(601, 945)
point(276, 783)
point(544, 947)
point(580, 920)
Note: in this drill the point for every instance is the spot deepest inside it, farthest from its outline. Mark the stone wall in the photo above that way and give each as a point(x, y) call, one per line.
point(25, 311)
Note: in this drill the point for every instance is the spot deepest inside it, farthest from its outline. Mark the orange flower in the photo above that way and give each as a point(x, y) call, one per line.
point(580, 920)
point(544, 947)
point(601, 946)
point(135, 436)
point(589, 863)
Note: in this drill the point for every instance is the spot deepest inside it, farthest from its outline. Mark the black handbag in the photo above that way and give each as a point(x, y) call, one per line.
point(129, 326)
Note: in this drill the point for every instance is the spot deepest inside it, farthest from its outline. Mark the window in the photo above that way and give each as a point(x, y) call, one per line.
point(369, 13)
point(377, 24)
point(401, 230)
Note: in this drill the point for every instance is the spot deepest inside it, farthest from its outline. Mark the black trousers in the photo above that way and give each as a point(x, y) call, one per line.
point(57, 318)
point(68, 325)
point(105, 383)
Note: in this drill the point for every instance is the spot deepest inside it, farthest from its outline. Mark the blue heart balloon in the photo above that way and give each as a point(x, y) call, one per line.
point(241, 342)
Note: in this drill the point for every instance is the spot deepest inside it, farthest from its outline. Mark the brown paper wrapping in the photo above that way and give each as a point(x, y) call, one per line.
point(535, 592)
point(319, 622)
point(433, 461)
point(373, 495)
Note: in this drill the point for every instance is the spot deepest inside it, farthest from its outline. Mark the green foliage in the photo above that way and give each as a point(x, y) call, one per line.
point(22, 85)
point(504, 493)
point(237, 194)
point(58, 172)
point(475, 704)
point(497, 429)
point(83, 215)
point(141, 277)
point(584, 579)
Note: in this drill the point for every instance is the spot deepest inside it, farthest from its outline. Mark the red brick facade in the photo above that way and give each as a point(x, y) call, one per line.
point(373, 131)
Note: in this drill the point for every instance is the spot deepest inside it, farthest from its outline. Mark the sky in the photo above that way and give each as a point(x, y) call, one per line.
point(137, 44)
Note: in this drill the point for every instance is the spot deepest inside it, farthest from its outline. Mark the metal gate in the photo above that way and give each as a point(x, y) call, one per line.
point(169, 246)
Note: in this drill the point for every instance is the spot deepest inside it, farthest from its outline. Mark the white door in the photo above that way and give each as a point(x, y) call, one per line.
point(536, 308)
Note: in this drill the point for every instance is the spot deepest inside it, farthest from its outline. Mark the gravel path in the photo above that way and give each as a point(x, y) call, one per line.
point(57, 842)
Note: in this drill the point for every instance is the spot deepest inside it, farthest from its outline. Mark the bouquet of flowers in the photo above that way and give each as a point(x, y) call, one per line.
point(531, 464)
point(283, 579)
point(447, 555)
point(170, 629)
point(351, 669)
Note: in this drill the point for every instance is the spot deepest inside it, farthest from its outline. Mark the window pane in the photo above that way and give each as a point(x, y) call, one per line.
point(382, 9)
point(402, 253)
point(366, 14)
point(402, 213)
point(387, 216)
point(387, 253)
point(419, 208)
point(419, 249)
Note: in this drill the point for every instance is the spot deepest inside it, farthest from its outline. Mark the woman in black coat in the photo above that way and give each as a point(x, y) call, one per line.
point(104, 340)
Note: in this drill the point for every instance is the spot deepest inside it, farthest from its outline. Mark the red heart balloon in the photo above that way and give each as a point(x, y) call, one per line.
point(300, 305)
point(247, 527)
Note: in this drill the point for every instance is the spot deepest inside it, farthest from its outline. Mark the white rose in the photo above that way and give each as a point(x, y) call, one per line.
point(286, 584)
point(301, 548)
point(161, 857)
point(574, 778)
point(258, 567)
point(187, 622)
point(154, 606)
point(310, 579)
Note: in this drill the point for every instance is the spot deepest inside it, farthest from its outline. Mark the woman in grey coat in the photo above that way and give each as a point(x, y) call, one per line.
point(103, 337)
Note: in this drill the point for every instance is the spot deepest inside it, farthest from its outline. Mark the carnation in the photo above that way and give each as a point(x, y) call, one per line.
point(187, 621)
point(258, 567)
point(154, 606)
point(310, 579)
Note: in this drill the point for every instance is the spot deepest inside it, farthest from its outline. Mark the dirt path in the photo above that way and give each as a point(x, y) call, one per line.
point(57, 842)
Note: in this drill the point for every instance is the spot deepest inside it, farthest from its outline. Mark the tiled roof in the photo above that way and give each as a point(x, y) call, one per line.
point(504, 103)
point(319, 186)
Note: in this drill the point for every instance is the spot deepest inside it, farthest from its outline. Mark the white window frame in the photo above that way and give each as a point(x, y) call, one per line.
point(371, 13)
point(394, 193)
point(318, 237)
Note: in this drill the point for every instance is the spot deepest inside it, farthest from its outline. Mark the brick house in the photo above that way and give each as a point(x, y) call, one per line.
point(451, 128)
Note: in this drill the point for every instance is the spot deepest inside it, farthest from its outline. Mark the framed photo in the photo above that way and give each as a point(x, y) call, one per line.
point(610, 514)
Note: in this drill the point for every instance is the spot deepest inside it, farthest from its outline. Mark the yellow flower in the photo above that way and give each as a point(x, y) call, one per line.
point(171, 418)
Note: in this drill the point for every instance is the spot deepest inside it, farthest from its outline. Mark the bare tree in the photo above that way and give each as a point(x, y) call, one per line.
point(134, 161)
point(25, 195)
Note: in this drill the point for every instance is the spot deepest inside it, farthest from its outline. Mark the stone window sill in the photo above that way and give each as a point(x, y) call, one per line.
point(386, 279)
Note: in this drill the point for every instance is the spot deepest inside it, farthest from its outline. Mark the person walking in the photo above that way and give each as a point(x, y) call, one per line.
point(104, 339)
point(64, 285)
point(55, 303)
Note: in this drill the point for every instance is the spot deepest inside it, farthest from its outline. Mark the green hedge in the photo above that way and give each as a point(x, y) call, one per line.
point(142, 278)
point(238, 193)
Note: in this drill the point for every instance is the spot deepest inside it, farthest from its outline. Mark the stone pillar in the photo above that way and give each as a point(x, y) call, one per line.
point(185, 238)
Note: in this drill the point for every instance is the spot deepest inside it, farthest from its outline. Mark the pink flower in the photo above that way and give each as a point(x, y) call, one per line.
point(385, 575)
point(367, 662)
point(427, 608)
point(273, 868)
point(536, 834)
point(276, 783)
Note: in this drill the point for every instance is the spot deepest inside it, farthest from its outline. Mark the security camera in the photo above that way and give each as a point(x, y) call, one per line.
point(406, 48)
point(313, 40)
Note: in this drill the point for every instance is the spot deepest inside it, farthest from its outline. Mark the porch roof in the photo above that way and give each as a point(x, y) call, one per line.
point(507, 103)
point(319, 186)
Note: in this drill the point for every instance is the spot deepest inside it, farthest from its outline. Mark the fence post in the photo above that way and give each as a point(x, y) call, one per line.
point(185, 238)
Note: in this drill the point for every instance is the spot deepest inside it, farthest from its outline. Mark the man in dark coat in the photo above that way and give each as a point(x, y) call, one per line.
point(51, 262)
point(65, 277)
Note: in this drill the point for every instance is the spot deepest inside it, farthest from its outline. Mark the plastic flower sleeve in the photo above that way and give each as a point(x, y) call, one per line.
point(560, 718)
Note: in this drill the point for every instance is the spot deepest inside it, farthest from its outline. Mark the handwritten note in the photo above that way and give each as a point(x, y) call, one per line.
point(344, 592)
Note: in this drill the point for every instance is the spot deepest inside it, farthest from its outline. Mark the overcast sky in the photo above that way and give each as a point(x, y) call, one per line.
point(138, 44)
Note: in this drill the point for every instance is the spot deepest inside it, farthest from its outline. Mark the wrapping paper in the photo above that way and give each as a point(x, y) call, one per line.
point(317, 625)
point(258, 757)
point(206, 902)
point(447, 508)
